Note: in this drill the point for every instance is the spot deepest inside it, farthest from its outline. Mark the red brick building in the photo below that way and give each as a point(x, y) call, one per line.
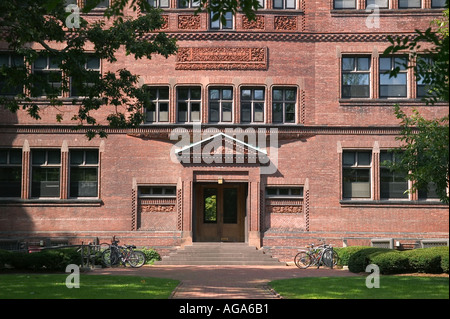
point(270, 132)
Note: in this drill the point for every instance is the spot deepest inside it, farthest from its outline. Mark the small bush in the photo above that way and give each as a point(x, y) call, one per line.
point(5, 257)
point(358, 261)
point(426, 260)
point(151, 255)
point(46, 260)
point(344, 253)
point(390, 262)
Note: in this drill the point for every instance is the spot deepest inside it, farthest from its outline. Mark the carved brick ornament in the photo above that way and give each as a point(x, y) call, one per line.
point(189, 22)
point(222, 58)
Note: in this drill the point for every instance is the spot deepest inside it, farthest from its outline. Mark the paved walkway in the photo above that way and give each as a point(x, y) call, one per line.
point(229, 282)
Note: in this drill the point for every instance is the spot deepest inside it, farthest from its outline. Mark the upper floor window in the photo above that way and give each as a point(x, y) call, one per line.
point(438, 3)
point(49, 75)
point(393, 184)
point(10, 172)
point(188, 3)
point(284, 4)
point(221, 104)
point(355, 77)
point(356, 174)
point(284, 192)
point(8, 60)
point(189, 100)
point(345, 4)
point(101, 5)
point(81, 87)
point(45, 173)
point(159, 3)
point(283, 105)
point(157, 191)
point(158, 106)
point(382, 4)
point(223, 22)
point(393, 86)
point(83, 173)
point(406, 4)
point(252, 104)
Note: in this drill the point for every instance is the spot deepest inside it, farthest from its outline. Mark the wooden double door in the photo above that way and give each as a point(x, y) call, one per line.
point(220, 212)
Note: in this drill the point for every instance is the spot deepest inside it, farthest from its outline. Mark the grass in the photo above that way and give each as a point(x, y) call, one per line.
point(53, 286)
point(391, 287)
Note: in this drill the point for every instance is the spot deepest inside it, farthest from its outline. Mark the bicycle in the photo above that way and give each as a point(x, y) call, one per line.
point(115, 255)
point(316, 255)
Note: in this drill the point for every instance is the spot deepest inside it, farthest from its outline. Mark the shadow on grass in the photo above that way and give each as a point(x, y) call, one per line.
point(43, 286)
point(391, 287)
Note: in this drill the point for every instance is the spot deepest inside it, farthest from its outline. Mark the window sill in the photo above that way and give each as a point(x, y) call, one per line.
point(391, 203)
point(51, 202)
point(386, 102)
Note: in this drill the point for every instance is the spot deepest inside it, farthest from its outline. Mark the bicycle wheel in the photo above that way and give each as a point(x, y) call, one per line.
point(109, 258)
point(303, 260)
point(136, 259)
point(330, 258)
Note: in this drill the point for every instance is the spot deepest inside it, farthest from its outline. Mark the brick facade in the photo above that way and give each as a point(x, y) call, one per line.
point(299, 50)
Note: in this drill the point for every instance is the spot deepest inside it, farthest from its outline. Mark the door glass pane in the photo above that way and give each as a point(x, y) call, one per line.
point(230, 206)
point(210, 205)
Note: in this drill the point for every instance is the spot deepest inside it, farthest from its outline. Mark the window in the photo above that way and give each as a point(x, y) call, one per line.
point(252, 104)
point(189, 104)
point(283, 105)
point(406, 4)
point(83, 173)
point(45, 174)
point(355, 77)
point(224, 22)
point(262, 4)
point(284, 4)
point(221, 104)
point(393, 86)
point(81, 87)
point(158, 106)
point(158, 3)
point(188, 4)
point(356, 174)
point(12, 61)
point(423, 66)
point(438, 3)
point(284, 192)
point(382, 4)
point(102, 4)
point(10, 173)
point(428, 193)
point(49, 77)
point(392, 184)
point(157, 191)
point(345, 4)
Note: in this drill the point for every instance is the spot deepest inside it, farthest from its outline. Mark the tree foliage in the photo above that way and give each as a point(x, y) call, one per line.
point(27, 22)
point(425, 148)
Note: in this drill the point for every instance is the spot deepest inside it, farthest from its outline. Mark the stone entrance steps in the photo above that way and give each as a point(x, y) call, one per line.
point(219, 254)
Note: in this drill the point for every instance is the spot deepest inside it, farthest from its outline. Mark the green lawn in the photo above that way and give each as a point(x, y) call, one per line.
point(51, 286)
point(391, 287)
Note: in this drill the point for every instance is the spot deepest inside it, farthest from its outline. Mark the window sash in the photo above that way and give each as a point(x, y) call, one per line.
point(252, 105)
point(344, 4)
point(189, 104)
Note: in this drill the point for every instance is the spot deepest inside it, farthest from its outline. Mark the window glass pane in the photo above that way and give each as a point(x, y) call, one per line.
point(40, 63)
point(214, 109)
point(246, 112)
point(164, 93)
point(364, 158)
point(400, 79)
point(38, 157)
point(437, 3)
point(344, 4)
point(259, 94)
point(283, 191)
point(246, 94)
point(409, 4)
point(290, 4)
point(76, 157)
point(227, 94)
point(259, 112)
point(10, 181)
point(230, 205)
point(277, 112)
point(349, 158)
point(183, 93)
point(210, 205)
point(226, 112)
point(195, 112)
point(363, 64)
point(385, 64)
point(93, 63)
point(182, 112)
point(54, 157)
point(196, 94)
point(15, 156)
point(278, 4)
point(356, 183)
point(214, 94)
point(3, 156)
point(45, 182)
point(271, 191)
point(278, 95)
point(348, 64)
point(290, 94)
point(163, 112)
point(379, 3)
point(92, 157)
